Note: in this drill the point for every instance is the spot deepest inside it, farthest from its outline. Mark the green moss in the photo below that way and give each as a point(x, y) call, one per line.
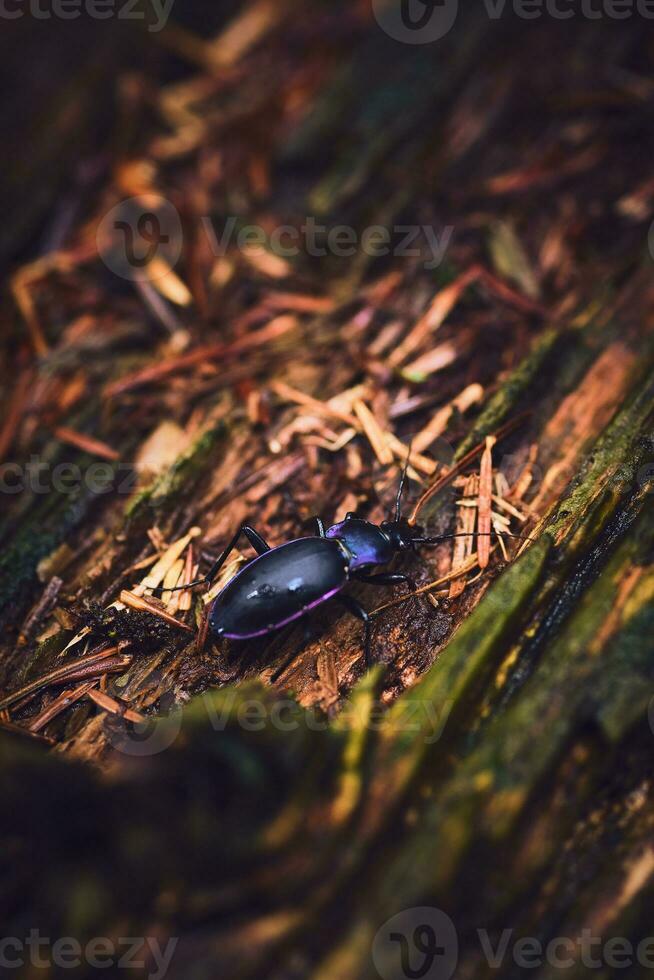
point(504, 402)
point(181, 475)
point(477, 647)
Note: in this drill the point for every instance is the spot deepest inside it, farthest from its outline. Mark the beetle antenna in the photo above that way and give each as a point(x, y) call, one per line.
point(400, 489)
point(159, 589)
point(476, 534)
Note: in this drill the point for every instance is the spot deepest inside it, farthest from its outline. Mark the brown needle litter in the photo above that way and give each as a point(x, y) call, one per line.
point(462, 547)
point(95, 447)
point(65, 700)
point(424, 589)
point(471, 395)
point(469, 457)
point(113, 707)
point(484, 524)
point(215, 352)
point(373, 432)
point(142, 604)
point(14, 729)
point(98, 663)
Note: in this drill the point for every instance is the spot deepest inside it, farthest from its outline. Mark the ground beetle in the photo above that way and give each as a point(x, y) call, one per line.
point(285, 583)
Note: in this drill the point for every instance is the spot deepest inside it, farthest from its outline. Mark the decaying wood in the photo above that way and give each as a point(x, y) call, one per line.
point(497, 762)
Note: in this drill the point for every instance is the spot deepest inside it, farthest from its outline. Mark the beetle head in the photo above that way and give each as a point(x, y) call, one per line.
point(401, 534)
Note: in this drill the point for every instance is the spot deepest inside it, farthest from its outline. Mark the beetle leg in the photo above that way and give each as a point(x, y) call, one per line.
point(355, 609)
point(385, 578)
point(259, 544)
point(319, 526)
point(255, 539)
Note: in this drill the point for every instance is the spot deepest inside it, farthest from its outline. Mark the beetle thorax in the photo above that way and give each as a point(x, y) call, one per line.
point(365, 543)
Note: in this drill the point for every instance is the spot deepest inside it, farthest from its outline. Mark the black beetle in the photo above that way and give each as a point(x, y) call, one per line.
point(285, 583)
